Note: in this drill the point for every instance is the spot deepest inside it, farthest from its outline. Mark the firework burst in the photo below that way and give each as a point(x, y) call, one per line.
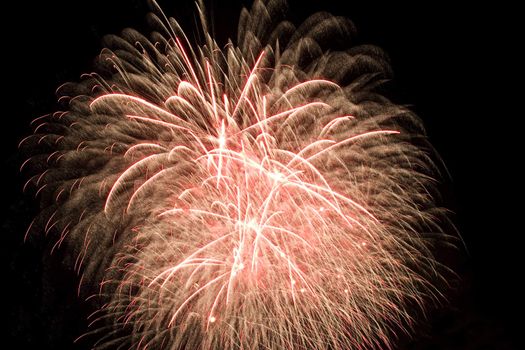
point(260, 196)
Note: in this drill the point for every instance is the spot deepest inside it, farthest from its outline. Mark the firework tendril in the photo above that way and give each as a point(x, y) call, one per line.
point(263, 195)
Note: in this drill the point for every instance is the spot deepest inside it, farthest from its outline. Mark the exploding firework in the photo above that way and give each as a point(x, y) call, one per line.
point(260, 196)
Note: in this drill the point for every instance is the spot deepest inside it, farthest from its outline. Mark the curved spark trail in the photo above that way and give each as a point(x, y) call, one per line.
point(260, 196)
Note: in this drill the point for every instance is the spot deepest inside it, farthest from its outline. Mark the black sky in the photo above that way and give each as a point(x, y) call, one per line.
point(447, 61)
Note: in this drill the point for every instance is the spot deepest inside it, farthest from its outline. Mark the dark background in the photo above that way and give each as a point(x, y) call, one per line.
point(451, 64)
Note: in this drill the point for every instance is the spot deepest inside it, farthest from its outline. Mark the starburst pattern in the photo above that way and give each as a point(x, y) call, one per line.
point(261, 196)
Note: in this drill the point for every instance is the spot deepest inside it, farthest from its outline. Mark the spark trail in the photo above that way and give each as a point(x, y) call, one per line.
point(260, 196)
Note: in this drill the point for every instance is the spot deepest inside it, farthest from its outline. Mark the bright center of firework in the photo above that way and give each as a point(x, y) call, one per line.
point(277, 176)
point(252, 224)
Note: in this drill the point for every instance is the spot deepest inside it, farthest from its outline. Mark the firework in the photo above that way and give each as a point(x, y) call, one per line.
point(260, 196)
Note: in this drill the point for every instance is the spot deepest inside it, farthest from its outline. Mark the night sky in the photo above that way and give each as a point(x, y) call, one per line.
point(449, 66)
